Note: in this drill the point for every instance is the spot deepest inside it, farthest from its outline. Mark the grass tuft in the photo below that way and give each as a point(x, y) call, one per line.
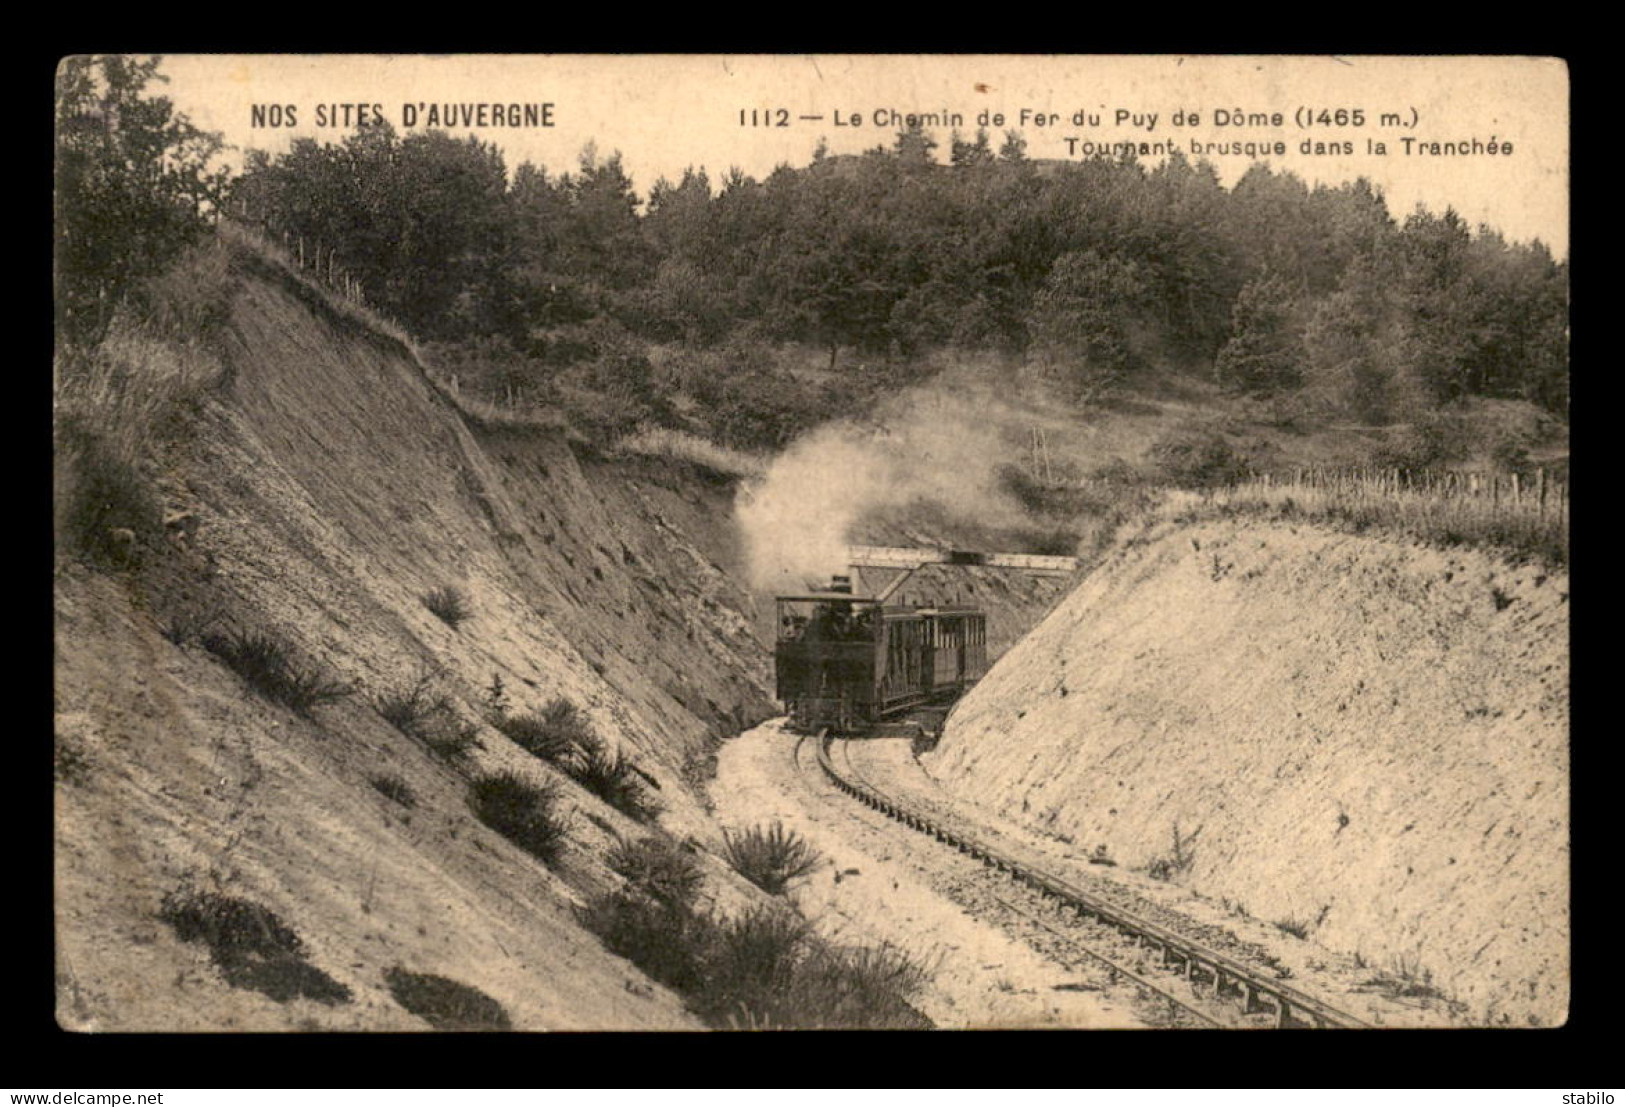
point(614, 779)
point(72, 764)
point(107, 513)
point(770, 858)
point(763, 969)
point(1178, 861)
point(659, 868)
point(1298, 928)
point(268, 667)
point(558, 731)
point(396, 789)
point(429, 718)
point(449, 605)
point(522, 812)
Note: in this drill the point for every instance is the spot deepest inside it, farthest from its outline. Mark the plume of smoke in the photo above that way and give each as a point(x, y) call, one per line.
point(940, 442)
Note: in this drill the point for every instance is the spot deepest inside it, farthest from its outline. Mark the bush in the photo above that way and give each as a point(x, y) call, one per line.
point(429, 717)
point(445, 1004)
point(753, 959)
point(667, 941)
point(106, 510)
point(449, 605)
point(615, 780)
point(251, 946)
point(858, 987)
point(72, 764)
point(553, 735)
point(1298, 928)
point(659, 868)
point(410, 711)
point(765, 969)
point(523, 813)
point(1181, 856)
point(267, 666)
point(768, 969)
point(1198, 461)
point(396, 789)
point(770, 858)
point(453, 741)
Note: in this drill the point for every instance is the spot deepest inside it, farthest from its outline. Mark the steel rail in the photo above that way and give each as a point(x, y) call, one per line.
point(1117, 969)
point(1197, 962)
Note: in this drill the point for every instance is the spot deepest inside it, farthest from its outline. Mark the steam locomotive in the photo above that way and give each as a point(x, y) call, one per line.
point(848, 662)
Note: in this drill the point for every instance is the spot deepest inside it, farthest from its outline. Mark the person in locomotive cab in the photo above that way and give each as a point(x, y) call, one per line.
point(840, 622)
point(863, 627)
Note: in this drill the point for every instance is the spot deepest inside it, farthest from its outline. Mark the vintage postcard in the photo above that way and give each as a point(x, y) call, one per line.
point(708, 542)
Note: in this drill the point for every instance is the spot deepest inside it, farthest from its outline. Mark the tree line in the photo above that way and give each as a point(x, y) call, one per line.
point(568, 285)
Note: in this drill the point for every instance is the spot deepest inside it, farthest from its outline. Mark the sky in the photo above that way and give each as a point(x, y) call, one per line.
point(668, 112)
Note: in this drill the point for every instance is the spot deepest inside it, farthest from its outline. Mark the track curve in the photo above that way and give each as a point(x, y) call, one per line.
point(1200, 964)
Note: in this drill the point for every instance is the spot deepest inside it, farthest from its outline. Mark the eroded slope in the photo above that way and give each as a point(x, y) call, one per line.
point(331, 487)
point(1357, 737)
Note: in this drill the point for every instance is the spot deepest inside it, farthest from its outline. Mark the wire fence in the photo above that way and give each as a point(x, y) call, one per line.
point(313, 258)
point(1537, 494)
point(1523, 511)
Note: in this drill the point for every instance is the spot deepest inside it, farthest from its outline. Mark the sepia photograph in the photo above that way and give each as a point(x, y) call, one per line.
point(700, 542)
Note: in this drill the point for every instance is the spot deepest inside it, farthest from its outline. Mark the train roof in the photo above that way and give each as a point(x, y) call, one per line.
point(820, 597)
point(901, 609)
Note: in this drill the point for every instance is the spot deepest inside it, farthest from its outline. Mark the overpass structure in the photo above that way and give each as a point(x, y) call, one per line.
point(906, 559)
point(909, 557)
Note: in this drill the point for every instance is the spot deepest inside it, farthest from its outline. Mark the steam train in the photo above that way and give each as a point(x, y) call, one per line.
point(848, 662)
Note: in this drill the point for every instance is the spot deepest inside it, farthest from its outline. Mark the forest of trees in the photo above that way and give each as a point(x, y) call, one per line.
point(570, 288)
point(1103, 268)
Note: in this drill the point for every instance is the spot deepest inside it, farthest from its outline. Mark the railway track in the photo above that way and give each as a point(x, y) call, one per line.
point(1201, 966)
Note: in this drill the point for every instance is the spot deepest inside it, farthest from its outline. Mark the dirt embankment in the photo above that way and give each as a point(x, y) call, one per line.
point(332, 488)
point(1356, 737)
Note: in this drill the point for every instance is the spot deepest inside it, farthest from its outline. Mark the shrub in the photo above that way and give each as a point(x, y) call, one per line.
point(268, 667)
point(768, 969)
point(449, 605)
point(522, 812)
point(858, 987)
point(445, 1004)
point(615, 780)
point(72, 764)
point(452, 741)
point(190, 624)
point(659, 868)
point(770, 858)
point(251, 946)
point(107, 510)
point(496, 697)
point(410, 711)
point(396, 789)
point(1181, 857)
point(1298, 928)
point(667, 941)
point(429, 717)
point(765, 969)
point(753, 959)
point(1198, 460)
point(553, 735)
